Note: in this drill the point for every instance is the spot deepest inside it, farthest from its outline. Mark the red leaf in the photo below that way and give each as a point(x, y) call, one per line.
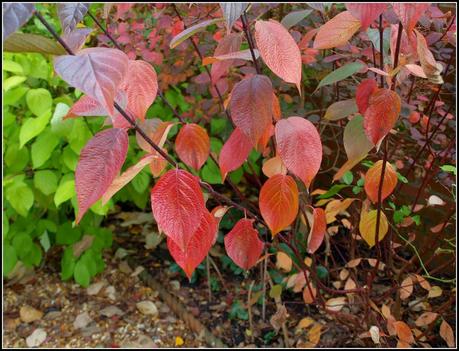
point(230, 43)
point(243, 245)
point(299, 146)
point(141, 87)
point(279, 202)
point(100, 162)
point(234, 152)
point(318, 229)
point(337, 31)
point(382, 113)
point(279, 51)
point(264, 140)
point(198, 247)
point(158, 163)
point(124, 178)
point(409, 14)
point(178, 205)
point(251, 106)
point(373, 177)
point(97, 72)
point(366, 13)
point(193, 145)
point(363, 93)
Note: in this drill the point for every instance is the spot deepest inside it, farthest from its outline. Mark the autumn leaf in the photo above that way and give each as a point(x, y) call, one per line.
point(97, 72)
point(243, 244)
point(100, 162)
point(430, 66)
point(362, 95)
point(340, 109)
point(373, 178)
point(279, 51)
point(199, 245)
point(406, 288)
point(232, 11)
point(157, 130)
point(426, 318)
point(410, 13)
point(279, 202)
point(383, 110)
point(15, 15)
point(337, 31)
point(190, 31)
point(367, 226)
point(446, 332)
point(366, 13)
point(229, 44)
point(141, 87)
point(193, 145)
point(251, 106)
point(274, 166)
point(318, 229)
point(234, 152)
point(404, 332)
point(299, 146)
point(177, 204)
point(70, 14)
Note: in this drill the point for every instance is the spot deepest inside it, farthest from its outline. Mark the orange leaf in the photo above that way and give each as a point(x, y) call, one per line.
point(404, 332)
point(193, 145)
point(279, 51)
point(279, 202)
point(426, 318)
point(299, 146)
point(446, 332)
point(373, 177)
point(382, 113)
point(264, 140)
point(318, 229)
point(156, 129)
point(406, 288)
point(277, 113)
point(307, 297)
point(337, 31)
point(274, 166)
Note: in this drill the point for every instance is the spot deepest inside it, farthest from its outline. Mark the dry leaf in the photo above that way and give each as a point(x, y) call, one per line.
point(283, 261)
point(404, 332)
point(343, 274)
point(314, 334)
point(336, 304)
point(406, 288)
point(353, 263)
point(374, 333)
point(279, 317)
point(307, 297)
point(435, 291)
point(426, 318)
point(446, 332)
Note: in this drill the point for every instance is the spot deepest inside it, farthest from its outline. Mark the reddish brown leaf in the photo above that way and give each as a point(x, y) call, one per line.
point(382, 113)
point(409, 13)
point(279, 51)
point(177, 204)
point(366, 13)
point(337, 31)
point(141, 87)
point(251, 106)
point(124, 178)
point(264, 140)
point(373, 177)
point(100, 162)
point(230, 43)
point(406, 288)
point(193, 145)
point(426, 318)
point(279, 202)
point(243, 245)
point(299, 146)
point(318, 229)
point(365, 89)
point(198, 247)
point(234, 152)
point(97, 72)
point(277, 113)
point(307, 297)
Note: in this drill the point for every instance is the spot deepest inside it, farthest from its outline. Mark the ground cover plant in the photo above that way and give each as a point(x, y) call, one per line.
point(305, 151)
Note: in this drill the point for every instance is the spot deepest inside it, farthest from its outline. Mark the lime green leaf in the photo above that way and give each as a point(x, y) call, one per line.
point(65, 191)
point(12, 82)
point(45, 181)
point(81, 273)
point(32, 127)
point(43, 147)
point(9, 259)
point(39, 101)
point(20, 196)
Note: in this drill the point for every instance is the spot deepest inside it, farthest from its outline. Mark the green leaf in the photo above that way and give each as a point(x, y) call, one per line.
point(210, 173)
point(294, 18)
point(322, 272)
point(39, 101)
point(348, 178)
point(449, 169)
point(13, 67)
point(65, 191)
point(68, 262)
point(16, 159)
point(97, 208)
point(275, 291)
point(201, 26)
point(141, 182)
point(335, 189)
point(340, 110)
point(20, 196)
point(69, 158)
point(43, 147)
point(33, 258)
point(44, 241)
point(9, 259)
point(22, 243)
point(58, 125)
point(81, 273)
point(32, 127)
point(356, 189)
point(12, 82)
point(45, 181)
point(341, 73)
point(66, 235)
point(12, 96)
